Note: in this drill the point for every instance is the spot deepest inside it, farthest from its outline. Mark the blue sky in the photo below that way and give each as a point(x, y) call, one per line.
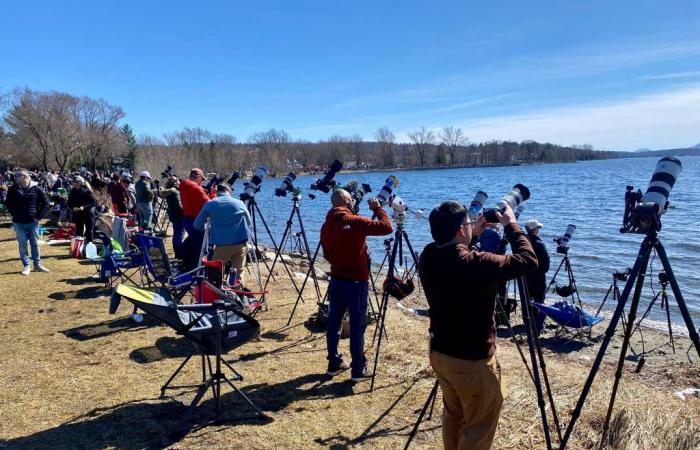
point(619, 75)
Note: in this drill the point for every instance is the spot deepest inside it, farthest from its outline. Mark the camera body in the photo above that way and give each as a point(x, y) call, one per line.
point(643, 212)
point(286, 185)
point(253, 186)
point(357, 191)
point(622, 276)
point(326, 183)
point(167, 173)
point(519, 194)
point(663, 278)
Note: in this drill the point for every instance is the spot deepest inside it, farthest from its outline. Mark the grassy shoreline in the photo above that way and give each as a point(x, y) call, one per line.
point(75, 377)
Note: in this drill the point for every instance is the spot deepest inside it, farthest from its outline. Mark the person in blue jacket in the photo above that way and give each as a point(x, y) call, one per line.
point(229, 228)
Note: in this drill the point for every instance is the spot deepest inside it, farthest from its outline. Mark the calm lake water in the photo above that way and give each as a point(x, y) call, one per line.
point(587, 194)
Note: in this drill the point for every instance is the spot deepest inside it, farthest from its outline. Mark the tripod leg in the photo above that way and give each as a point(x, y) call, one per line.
point(385, 304)
point(375, 312)
point(308, 253)
point(604, 299)
point(640, 266)
point(248, 400)
point(429, 401)
point(692, 331)
point(301, 290)
point(172, 377)
point(554, 277)
point(646, 312)
point(274, 244)
point(529, 327)
point(664, 301)
point(278, 251)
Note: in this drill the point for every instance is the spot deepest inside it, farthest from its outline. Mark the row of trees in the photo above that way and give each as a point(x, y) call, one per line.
point(54, 130)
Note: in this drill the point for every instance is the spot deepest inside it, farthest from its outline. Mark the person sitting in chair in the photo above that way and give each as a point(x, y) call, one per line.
point(229, 228)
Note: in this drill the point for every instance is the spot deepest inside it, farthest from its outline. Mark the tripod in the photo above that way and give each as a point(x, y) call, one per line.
point(663, 280)
point(255, 212)
point(535, 357)
point(286, 234)
point(636, 280)
point(312, 261)
point(400, 236)
point(566, 264)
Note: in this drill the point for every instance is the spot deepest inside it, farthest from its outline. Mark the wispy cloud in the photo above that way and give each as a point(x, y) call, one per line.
point(671, 76)
point(663, 120)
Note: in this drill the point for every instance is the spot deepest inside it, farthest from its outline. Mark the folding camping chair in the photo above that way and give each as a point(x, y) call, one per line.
point(214, 329)
point(123, 266)
point(570, 318)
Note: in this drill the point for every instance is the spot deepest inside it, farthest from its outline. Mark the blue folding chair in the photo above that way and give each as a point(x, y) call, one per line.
point(569, 316)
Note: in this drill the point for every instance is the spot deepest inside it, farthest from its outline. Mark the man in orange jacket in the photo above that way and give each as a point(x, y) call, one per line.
point(343, 238)
point(193, 197)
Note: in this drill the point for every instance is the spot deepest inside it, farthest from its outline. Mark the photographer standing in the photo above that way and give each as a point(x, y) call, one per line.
point(460, 285)
point(171, 194)
point(343, 237)
point(82, 202)
point(193, 197)
point(144, 200)
point(27, 203)
point(537, 280)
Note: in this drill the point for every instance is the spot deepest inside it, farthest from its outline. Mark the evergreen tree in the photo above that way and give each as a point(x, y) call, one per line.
point(131, 145)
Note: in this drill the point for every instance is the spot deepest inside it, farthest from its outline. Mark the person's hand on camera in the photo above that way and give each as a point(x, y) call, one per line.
point(373, 204)
point(479, 224)
point(507, 216)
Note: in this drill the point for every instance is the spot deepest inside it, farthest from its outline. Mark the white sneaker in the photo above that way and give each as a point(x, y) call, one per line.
point(26, 270)
point(41, 268)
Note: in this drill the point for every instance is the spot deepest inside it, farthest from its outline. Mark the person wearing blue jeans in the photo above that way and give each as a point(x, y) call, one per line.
point(29, 233)
point(350, 296)
point(27, 203)
point(343, 238)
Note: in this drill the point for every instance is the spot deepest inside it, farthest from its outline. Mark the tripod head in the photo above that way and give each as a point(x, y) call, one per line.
point(622, 276)
point(663, 280)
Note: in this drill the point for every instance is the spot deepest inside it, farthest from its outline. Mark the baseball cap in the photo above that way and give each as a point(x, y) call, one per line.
point(533, 223)
point(145, 174)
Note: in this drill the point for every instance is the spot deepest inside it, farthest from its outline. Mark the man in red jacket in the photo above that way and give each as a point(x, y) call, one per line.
point(193, 197)
point(343, 238)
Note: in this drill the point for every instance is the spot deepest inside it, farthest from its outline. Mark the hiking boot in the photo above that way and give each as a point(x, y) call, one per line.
point(41, 268)
point(335, 369)
point(366, 374)
point(26, 270)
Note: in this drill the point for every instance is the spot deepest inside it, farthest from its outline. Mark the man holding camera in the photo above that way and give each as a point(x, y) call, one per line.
point(343, 238)
point(193, 197)
point(460, 285)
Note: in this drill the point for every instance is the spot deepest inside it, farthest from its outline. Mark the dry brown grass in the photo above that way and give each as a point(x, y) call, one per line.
point(74, 377)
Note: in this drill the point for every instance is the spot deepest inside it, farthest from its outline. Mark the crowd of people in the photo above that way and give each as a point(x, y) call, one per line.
point(463, 271)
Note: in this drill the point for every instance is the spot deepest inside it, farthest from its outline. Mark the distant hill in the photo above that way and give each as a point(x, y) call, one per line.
point(692, 151)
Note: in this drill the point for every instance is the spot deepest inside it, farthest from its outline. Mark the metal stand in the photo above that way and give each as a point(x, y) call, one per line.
point(636, 281)
point(255, 213)
point(566, 263)
point(664, 305)
point(399, 237)
point(212, 378)
point(278, 253)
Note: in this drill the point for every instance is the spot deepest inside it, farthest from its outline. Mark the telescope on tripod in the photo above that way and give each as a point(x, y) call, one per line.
point(642, 215)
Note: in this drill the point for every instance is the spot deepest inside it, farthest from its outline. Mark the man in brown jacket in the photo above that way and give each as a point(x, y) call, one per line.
point(460, 285)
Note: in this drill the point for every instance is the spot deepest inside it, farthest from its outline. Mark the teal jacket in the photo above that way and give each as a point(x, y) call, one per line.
point(230, 221)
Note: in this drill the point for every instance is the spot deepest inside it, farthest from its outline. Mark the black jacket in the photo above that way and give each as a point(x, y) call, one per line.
point(27, 205)
point(82, 197)
point(537, 280)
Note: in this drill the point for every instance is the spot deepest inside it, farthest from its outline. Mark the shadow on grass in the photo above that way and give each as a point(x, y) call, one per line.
point(108, 327)
point(86, 293)
point(150, 423)
point(165, 347)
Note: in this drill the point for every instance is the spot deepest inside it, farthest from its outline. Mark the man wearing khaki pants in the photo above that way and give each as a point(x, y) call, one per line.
point(460, 285)
point(229, 228)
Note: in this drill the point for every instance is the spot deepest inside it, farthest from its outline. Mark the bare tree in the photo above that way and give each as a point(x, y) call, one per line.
point(453, 138)
point(386, 140)
point(358, 151)
point(422, 139)
point(100, 132)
